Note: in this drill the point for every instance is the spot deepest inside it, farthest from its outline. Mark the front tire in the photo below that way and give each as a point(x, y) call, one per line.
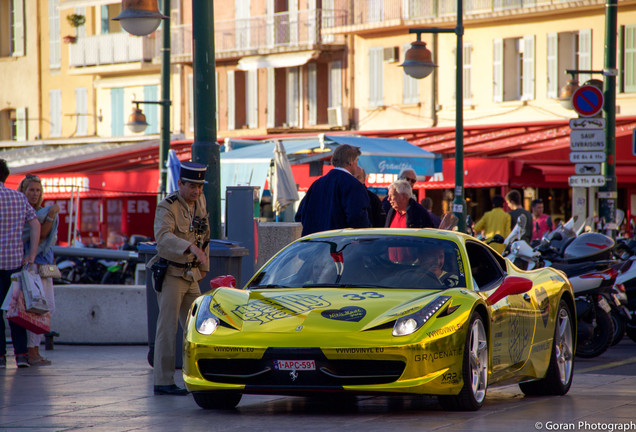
point(474, 370)
point(223, 400)
point(558, 379)
point(620, 325)
point(602, 338)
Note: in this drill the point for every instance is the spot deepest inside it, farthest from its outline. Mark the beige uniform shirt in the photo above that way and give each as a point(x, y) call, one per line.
point(173, 222)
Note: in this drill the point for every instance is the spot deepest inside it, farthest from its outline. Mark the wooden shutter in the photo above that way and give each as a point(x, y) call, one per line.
point(151, 93)
point(81, 110)
point(271, 98)
point(376, 79)
point(18, 28)
point(21, 124)
point(231, 95)
point(552, 66)
point(252, 99)
point(497, 70)
point(117, 111)
point(585, 54)
point(312, 96)
point(528, 68)
point(630, 58)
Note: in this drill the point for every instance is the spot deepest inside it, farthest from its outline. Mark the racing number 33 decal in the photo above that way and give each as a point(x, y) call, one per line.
point(363, 296)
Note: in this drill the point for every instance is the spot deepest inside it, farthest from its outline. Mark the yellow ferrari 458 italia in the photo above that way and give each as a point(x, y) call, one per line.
point(383, 311)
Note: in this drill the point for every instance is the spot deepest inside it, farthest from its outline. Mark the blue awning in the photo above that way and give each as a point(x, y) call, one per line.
point(249, 165)
point(391, 155)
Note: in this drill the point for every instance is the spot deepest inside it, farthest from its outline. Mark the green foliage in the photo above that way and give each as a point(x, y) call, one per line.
point(76, 20)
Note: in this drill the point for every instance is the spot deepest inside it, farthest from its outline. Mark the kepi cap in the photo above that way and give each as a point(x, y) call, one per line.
point(193, 172)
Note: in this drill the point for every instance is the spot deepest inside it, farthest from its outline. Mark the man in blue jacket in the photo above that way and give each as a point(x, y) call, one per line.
point(337, 199)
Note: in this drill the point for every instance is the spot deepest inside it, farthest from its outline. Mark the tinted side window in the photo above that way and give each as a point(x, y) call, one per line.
point(484, 266)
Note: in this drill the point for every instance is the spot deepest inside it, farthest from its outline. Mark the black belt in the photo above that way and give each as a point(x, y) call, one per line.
point(186, 265)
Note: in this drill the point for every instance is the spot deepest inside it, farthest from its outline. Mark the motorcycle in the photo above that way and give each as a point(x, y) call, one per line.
point(586, 261)
point(123, 272)
point(625, 250)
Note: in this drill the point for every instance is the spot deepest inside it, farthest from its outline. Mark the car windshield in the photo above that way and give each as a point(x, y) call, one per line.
point(386, 261)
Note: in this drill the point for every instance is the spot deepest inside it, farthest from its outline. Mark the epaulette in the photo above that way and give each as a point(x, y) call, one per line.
point(172, 198)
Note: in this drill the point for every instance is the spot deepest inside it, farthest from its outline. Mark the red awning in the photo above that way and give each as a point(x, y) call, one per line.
point(95, 185)
point(478, 172)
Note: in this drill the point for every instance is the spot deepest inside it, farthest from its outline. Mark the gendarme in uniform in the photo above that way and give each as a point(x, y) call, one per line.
point(181, 231)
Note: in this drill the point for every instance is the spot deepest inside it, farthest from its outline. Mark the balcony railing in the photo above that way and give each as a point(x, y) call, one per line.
point(112, 48)
point(279, 32)
point(388, 12)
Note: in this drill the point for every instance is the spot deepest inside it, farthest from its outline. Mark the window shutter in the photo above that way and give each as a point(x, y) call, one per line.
point(271, 98)
point(216, 100)
point(293, 79)
point(410, 88)
point(81, 111)
point(376, 80)
point(191, 102)
point(467, 74)
point(585, 54)
point(630, 58)
point(117, 111)
point(55, 114)
point(335, 87)
point(151, 93)
point(54, 35)
point(21, 124)
point(231, 114)
point(18, 28)
point(528, 68)
point(553, 66)
point(312, 97)
point(252, 99)
point(497, 70)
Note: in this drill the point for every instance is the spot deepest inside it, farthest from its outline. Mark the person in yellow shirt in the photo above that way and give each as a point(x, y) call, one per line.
point(495, 221)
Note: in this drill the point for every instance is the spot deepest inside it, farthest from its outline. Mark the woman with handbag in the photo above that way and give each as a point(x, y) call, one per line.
point(31, 186)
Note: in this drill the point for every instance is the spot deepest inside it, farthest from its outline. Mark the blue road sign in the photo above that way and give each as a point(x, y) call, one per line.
point(587, 100)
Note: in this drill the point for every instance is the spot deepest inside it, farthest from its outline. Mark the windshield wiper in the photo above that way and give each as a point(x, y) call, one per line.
point(268, 286)
point(342, 285)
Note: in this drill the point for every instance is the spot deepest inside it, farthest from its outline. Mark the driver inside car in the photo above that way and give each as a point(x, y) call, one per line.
point(432, 261)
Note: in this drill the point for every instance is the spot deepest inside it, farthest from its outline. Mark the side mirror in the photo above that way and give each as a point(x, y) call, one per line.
point(511, 285)
point(223, 281)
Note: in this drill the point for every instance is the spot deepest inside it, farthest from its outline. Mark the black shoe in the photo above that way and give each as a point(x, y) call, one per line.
point(173, 390)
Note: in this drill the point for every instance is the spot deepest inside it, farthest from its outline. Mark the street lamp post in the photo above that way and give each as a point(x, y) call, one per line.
point(204, 148)
point(418, 65)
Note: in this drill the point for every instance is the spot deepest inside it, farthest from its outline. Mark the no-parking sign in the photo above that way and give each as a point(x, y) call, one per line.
point(587, 100)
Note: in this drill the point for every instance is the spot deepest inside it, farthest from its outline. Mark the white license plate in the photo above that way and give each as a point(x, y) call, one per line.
point(295, 365)
point(604, 305)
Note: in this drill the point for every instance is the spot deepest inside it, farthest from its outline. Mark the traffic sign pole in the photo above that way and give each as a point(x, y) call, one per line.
point(607, 206)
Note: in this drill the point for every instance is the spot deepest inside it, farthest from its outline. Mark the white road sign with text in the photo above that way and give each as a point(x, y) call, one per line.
point(587, 139)
point(586, 180)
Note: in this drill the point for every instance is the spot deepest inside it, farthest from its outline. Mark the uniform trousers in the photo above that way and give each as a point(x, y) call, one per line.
point(175, 299)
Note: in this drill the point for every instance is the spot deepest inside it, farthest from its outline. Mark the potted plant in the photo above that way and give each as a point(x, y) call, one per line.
point(75, 20)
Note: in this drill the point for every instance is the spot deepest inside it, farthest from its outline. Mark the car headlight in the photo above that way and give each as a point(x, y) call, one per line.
point(206, 323)
point(409, 324)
